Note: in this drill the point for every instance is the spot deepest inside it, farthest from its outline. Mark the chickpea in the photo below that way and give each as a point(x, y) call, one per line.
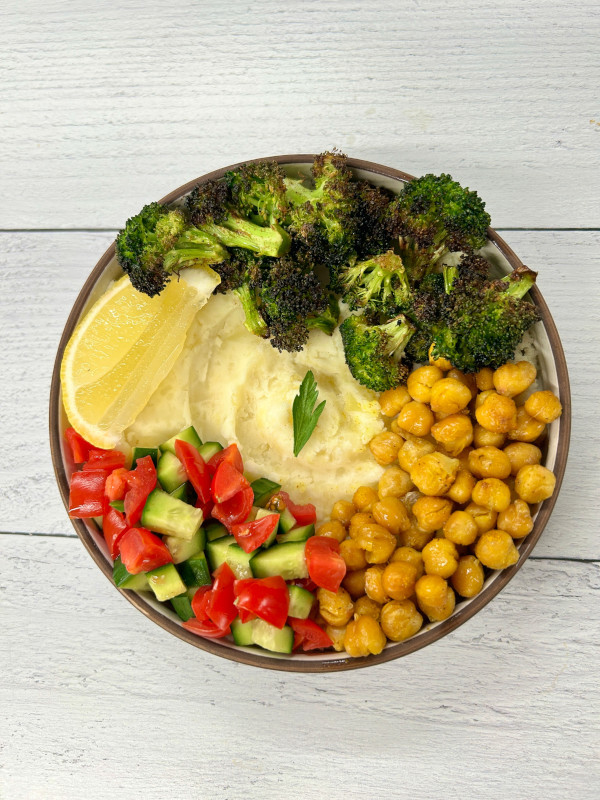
point(484, 438)
point(359, 519)
point(378, 543)
point(374, 584)
point(353, 555)
point(421, 380)
point(385, 447)
point(534, 483)
point(365, 498)
point(440, 557)
point(354, 583)
point(333, 530)
point(399, 579)
point(392, 514)
point(394, 482)
point(393, 400)
point(516, 520)
point(343, 511)
point(364, 636)
point(489, 462)
point(414, 537)
point(527, 429)
point(496, 550)
point(543, 406)
point(491, 493)
point(336, 608)
point(461, 528)
point(410, 555)
point(438, 361)
point(337, 636)
point(512, 379)
point(415, 418)
point(467, 380)
point(364, 606)
point(434, 473)
point(521, 454)
point(468, 579)
point(432, 512)
point(449, 396)
point(400, 620)
point(485, 379)
point(412, 450)
point(485, 518)
point(462, 488)
point(454, 432)
point(443, 594)
point(496, 413)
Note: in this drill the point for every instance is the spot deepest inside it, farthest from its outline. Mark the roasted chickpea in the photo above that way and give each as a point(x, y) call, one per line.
point(365, 607)
point(521, 454)
point(440, 610)
point(364, 636)
point(491, 493)
point(421, 380)
point(374, 584)
point(438, 361)
point(467, 380)
point(365, 498)
point(496, 550)
point(377, 541)
point(432, 512)
point(534, 483)
point(434, 473)
point(496, 413)
point(353, 555)
point(543, 406)
point(392, 514)
point(415, 418)
point(489, 462)
point(460, 528)
point(385, 447)
point(394, 482)
point(359, 519)
point(354, 583)
point(485, 518)
point(449, 396)
point(454, 432)
point(337, 637)
point(399, 579)
point(440, 557)
point(412, 450)
point(414, 537)
point(484, 438)
point(485, 379)
point(468, 579)
point(333, 530)
point(336, 608)
point(462, 488)
point(527, 429)
point(343, 511)
point(400, 620)
point(512, 379)
point(393, 400)
point(516, 520)
point(410, 555)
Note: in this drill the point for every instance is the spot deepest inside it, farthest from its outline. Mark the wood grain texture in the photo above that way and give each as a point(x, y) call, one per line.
point(111, 704)
point(108, 106)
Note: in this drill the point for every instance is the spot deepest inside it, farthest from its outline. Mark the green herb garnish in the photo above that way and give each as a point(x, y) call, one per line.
point(304, 413)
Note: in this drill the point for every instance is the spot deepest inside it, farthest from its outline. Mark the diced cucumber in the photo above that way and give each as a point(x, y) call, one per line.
point(182, 549)
point(286, 560)
point(187, 435)
point(271, 638)
point(301, 602)
point(286, 520)
point(214, 530)
point(242, 632)
point(183, 607)
point(140, 452)
point(297, 534)
point(260, 514)
point(186, 493)
point(194, 571)
point(119, 505)
point(165, 582)
point(165, 514)
point(125, 580)
point(209, 449)
point(170, 472)
point(264, 489)
point(228, 550)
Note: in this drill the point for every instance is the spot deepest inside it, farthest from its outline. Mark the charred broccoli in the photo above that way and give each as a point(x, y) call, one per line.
point(373, 352)
point(258, 191)
point(379, 284)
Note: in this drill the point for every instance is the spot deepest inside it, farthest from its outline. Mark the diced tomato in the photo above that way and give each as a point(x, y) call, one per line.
point(308, 634)
point(325, 565)
point(226, 482)
point(231, 455)
point(200, 602)
point(236, 509)
point(206, 508)
point(140, 482)
point(142, 551)
point(221, 608)
point(79, 447)
point(246, 616)
point(207, 629)
point(268, 598)
point(86, 494)
point(105, 459)
point(250, 535)
point(113, 529)
point(195, 468)
point(304, 515)
point(116, 484)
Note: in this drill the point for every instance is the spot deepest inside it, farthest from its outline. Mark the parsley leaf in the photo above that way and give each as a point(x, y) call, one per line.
point(305, 415)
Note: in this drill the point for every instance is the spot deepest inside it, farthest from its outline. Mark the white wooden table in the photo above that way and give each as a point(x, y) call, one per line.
point(106, 106)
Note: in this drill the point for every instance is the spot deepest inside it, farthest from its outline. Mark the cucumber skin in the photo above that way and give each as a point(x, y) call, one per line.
point(187, 435)
point(182, 607)
point(301, 602)
point(271, 638)
point(242, 632)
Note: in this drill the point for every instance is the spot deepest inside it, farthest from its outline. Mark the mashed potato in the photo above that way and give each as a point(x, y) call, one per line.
point(235, 387)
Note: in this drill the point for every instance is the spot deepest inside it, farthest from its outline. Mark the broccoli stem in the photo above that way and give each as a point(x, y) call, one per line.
point(450, 274)
point(253, 320)
point(235, 231)
point(296, 193)
point(399, 331)
point(519, 282)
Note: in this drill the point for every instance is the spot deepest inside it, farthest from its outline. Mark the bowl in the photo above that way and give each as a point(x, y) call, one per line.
point(554, 376)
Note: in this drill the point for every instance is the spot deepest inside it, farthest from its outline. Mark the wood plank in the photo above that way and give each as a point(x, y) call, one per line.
point(109, 106)
point(110, 702)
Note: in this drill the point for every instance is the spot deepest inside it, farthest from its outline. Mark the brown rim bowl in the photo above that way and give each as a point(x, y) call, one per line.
point(554, 376)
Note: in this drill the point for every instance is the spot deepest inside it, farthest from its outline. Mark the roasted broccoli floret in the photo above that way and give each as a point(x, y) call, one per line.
point(258, 191)
point(156, 242)
point(242, 274)
point(328, 319)
point(379, 283)
point(373, 352)
point(372, 220)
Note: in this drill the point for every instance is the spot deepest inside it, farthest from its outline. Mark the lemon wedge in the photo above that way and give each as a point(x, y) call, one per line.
point(123, 348)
